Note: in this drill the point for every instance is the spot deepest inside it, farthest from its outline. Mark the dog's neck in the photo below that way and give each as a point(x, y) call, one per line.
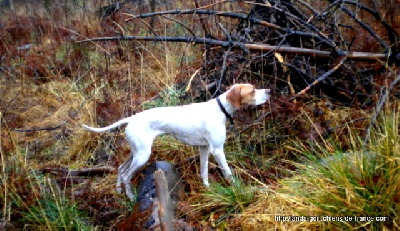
point(230, 109)
point(227, 108)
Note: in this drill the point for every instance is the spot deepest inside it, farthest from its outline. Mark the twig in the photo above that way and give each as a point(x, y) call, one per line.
point(317, 35)
point(308, 6)
point(203, 23)
point(319, 79)
point(180, 23)
point(41, 129)
point(223, 72)
point(393, 35)
point(366, 27)
point(385, 91)
point(228, 37)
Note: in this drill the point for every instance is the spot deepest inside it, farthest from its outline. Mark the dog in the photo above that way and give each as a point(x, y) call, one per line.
point(197, 124)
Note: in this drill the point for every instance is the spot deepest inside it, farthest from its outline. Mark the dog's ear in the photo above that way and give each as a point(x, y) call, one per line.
point(234, 97)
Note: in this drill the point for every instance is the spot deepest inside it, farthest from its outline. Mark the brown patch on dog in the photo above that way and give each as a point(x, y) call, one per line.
point(234, 97)
point(241, 95)
point(248, 94)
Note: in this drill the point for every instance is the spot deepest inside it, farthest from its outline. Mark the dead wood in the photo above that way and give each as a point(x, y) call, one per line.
point(85, 172)
point(359, 56)
point(165, 211)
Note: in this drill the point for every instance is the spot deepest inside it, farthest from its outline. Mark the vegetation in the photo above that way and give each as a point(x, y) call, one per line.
point(358, 187)
point(312, 159)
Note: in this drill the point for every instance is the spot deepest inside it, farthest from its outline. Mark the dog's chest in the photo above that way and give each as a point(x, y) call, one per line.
point(188, 133)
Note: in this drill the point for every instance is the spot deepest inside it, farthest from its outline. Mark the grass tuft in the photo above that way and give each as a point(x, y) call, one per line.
point(54, 212)
point(227, 198)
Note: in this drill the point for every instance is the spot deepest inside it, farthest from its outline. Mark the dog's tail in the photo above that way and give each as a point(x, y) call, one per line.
point(109, 127)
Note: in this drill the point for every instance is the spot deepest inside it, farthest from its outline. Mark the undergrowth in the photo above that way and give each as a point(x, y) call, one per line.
point(35, 199)
point(230, 198)
point(53, 211)
point(50, 86)
point(332, 188)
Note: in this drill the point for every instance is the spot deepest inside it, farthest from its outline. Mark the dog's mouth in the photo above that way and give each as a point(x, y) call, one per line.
point(261, 97)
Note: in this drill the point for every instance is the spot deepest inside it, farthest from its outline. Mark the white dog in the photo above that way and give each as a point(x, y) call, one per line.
point(197, 124)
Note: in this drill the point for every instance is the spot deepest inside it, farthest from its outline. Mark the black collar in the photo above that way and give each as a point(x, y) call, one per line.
point(224, 111)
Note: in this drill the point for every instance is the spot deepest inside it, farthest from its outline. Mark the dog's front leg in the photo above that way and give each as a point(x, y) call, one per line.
point(219, 156)
point(204, 153)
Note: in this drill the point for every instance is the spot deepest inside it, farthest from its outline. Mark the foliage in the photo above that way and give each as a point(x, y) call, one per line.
point(168, 97)
point(358, 186)
point(36, 199)
point(229, 199)
point(55, 213)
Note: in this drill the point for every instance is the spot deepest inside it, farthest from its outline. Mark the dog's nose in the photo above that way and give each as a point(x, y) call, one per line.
point(268, 91)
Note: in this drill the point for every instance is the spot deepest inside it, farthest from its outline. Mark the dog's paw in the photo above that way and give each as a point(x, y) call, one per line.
point(119, 189)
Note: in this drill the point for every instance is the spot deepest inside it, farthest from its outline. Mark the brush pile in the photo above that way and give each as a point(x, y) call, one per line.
point(343, 52)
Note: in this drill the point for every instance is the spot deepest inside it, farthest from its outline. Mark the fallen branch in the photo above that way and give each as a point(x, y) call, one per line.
point(40, 129)
point(359, 56)
point(207, 12)
point(366, 27)
point(86, 172)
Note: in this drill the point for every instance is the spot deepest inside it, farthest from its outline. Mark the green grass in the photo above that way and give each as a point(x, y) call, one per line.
point(167, 97)
point(36, 199)
point(55, 213)
point(228, 198)
point(354, 184)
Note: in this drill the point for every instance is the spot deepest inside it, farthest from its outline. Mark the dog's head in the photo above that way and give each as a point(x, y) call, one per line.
point(240, 95)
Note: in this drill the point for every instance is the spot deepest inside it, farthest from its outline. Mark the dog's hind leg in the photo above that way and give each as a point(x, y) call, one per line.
point(141, 142)
point(122, 169)
point(139, 159)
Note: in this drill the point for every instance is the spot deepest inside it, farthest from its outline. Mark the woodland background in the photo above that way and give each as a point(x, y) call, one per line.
point(327, 143)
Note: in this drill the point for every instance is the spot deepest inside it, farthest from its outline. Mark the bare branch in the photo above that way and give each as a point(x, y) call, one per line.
point(365, 56)
point(318, 36)
point(319, 79)
point(366, 27)
point(392, 33)
point(41, 129)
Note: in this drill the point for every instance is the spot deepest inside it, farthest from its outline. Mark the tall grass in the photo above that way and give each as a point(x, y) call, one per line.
point(35, 199)
point(54, 211)
point(354, 189)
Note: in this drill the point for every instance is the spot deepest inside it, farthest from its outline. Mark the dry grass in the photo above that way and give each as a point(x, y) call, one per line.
point(328, 183)
point(58, 83)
